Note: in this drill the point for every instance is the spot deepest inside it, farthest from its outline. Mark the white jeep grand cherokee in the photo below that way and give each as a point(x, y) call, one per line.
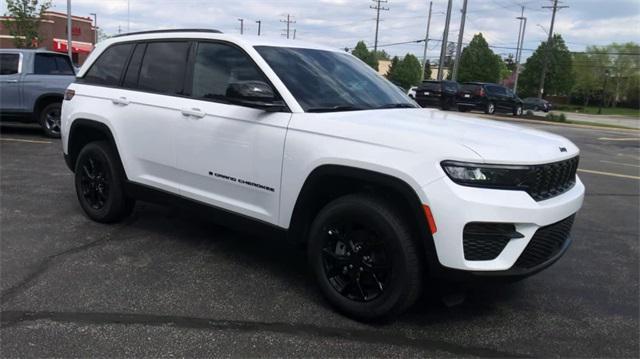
point(309, 143)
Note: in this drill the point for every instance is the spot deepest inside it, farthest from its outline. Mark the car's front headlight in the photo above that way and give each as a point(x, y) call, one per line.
point(490, 176)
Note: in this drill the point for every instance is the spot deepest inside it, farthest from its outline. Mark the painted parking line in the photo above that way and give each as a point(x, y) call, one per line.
point(619, 139)
point(620, 163)
point(23, 140)
point(610, 174)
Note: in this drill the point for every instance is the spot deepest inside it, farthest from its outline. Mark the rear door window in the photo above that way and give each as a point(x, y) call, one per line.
point(9, 64)
point(133, 70)
point(109, 66)
point(164, 67)
point(52, 64)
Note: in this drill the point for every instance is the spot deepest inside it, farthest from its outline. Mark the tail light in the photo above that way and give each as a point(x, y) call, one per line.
point(68, 94)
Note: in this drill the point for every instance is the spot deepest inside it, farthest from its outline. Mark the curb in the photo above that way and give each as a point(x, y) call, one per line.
point(540, 122)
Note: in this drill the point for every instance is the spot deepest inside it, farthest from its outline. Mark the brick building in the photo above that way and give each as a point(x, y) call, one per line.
point(53, 35)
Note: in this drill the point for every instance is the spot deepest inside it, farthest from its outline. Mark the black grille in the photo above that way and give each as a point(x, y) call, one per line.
point(485, 241)
point(552, 179)
point(545, 244)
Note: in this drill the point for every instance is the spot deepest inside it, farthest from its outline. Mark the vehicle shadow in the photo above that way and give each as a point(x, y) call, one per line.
point(21, 129)
point(440, 302)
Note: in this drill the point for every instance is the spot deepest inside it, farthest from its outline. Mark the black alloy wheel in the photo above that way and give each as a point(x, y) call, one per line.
point(355, 260)
point(364, 257)
point(99, 179)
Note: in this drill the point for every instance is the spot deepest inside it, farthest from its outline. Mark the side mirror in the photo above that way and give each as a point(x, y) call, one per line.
point(254, 94)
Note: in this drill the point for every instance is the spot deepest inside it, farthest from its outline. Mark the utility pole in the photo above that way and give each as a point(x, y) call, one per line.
point(545, 63)
point(456, 64)
point(259, 22)
point(445, 38)
point(128, 15)
point(604, 91)
point(288, 21)
point(426, 42)
point(294, 33)
point(69, 32)
point(523, 28)
point(377, 8)
point(241, 26)
point(119, 29)
point(95, 28)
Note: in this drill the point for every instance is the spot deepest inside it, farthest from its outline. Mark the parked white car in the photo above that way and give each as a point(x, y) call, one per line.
point(309, 143)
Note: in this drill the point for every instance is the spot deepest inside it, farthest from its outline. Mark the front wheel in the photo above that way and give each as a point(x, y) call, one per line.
point(517, 111)
point(99, 180)
point(49, 119)
point(364, 257)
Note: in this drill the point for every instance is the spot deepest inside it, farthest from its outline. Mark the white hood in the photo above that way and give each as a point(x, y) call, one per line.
point(417, 130)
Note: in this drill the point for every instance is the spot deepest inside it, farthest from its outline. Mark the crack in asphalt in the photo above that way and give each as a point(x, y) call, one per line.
point(29, 280)
point(12, 318)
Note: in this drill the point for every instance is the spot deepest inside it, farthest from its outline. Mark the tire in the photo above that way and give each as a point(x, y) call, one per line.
point(49, 119)
point(99, 181)
point(517, 111)
point(490, 109)
point(364, 258)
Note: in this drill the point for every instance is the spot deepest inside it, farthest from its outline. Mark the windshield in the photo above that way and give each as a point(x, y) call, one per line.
point(326, 81)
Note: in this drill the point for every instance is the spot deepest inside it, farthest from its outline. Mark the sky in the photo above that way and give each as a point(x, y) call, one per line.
point(342, 23)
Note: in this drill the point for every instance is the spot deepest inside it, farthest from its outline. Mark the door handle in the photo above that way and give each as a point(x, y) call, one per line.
point(192, 112)
point(121, 101)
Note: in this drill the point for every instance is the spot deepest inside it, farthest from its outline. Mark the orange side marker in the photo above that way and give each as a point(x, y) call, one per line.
point(430, 220)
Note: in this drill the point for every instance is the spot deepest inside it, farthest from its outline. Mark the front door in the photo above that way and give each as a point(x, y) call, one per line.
point(230, 155)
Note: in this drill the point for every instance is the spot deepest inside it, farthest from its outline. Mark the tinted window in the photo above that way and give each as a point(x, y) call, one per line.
point(163, 67)
point(108, 67)
point(218, 65)
point(9, 64)
point(131, 77)
point(496, 90)
point(451, 86)
point(323, 80)
point(470, 88)
point(430, 86)
point(51, 64)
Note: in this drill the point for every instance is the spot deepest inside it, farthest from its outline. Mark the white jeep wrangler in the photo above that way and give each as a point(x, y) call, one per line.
point(309, 143)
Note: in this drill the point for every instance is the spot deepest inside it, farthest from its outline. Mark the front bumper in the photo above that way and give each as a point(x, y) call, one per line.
point(453, 206)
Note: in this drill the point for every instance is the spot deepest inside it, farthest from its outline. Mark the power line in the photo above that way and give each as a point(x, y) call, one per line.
point(378, 8)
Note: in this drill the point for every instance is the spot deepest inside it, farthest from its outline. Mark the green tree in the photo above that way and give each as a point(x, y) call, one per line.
point(382, 55)
point(427, 70)
point(625, 62)
point(362, 52)
point(478, 62)
point(559, 78)
point(589, 70)
point(406, 72)
point(23, 21)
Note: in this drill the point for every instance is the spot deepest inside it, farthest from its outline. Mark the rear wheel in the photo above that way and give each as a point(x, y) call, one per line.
point(364, 257)
point(49, 119)
point(99, 181)
point(490, 109)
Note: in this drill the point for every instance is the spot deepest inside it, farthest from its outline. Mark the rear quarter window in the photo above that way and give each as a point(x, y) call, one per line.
point(52, 64)
point(107, 69)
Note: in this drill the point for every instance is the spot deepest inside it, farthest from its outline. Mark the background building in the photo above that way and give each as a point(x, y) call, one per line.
point(53, 35)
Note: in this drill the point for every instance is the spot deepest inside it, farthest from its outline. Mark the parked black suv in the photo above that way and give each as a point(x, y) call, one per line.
point(489, 98)
point(440, 94)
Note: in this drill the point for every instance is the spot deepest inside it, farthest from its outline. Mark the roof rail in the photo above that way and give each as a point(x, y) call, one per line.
point(169, 30)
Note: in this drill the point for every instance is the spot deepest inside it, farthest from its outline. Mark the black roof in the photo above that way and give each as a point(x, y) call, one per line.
point(169, 31)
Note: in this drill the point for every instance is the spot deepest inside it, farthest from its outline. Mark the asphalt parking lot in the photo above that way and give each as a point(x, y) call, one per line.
point(165, 283)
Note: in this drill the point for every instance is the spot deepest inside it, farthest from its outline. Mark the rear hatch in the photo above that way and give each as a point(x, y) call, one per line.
point(470, 93)
point(429, 91)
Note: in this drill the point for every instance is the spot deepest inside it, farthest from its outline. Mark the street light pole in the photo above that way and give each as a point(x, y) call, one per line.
point(241, 26)
point(95, 28)
point(519, 51)
point(426, 42)
point(69, 32)
point(259, 22)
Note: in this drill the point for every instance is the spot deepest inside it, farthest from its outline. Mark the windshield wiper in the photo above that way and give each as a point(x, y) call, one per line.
point(334, 108)
point(396, 105)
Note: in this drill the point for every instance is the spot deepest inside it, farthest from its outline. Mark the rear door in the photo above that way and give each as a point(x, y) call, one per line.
point(10, 85)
